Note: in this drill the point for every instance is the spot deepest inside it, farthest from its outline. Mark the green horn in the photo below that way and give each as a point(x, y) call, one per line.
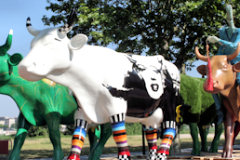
point(4, 48)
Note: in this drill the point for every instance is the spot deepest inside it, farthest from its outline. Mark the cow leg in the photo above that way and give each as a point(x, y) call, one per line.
point(120, 136)
point(169, 134)
point(78, 138)
point(194, 133)
point(53, 122)
point(93, 136)
point(236, 130)
point(105, 133)
point(151, 136)
point(19, 139)
point(203, 130)
point(218, 131)
point(229, 135)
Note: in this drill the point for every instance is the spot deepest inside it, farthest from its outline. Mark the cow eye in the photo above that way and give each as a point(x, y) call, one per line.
point(57, 39)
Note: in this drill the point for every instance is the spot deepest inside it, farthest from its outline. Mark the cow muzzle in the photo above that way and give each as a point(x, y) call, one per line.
point(26, 74)
point(217, 87)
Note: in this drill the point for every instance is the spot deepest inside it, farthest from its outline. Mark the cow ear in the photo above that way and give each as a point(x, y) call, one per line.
point(236, 67)
point(202, 69)
point(78, 41)
point(15, 59)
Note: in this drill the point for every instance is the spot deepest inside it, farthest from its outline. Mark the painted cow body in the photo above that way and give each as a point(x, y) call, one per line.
point(199, 112)
point(106, 84)
point(40, 103)
point(222, 79)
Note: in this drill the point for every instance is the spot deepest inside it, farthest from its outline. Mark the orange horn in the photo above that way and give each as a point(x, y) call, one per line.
point(235, 54)
point(200, 56)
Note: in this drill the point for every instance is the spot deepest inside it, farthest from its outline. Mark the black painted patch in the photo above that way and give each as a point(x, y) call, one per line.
point(139, 103)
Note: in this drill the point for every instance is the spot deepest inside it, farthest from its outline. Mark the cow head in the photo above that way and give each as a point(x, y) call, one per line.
point(7, 61)
point(223, 73)
point(51, 52)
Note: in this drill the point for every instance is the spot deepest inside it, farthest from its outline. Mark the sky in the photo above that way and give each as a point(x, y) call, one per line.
point(13, 15)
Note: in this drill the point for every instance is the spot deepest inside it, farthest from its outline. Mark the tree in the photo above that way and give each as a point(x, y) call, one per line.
point(13, 126)
point(3, 126)
point(37, 131)
point(170, 28)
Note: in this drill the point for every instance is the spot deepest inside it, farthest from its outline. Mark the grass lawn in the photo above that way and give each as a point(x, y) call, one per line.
point(41, 147)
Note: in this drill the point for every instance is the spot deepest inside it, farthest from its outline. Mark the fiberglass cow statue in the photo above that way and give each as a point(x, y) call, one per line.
point(199, 111)
point(40, 103)
point(222, 79)
point(109, 87)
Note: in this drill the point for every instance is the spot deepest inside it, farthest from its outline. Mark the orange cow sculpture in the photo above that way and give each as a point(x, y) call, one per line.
point(222, 79)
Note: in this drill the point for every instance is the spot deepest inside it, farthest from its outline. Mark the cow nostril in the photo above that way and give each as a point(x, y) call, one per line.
point(215, 82)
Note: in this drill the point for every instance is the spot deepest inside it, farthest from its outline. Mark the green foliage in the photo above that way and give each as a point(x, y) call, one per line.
point(191, 90)
point(13, 126)
point(3, 126)
point(171, 28)
point(184, 129)
point(35, 131)
point(134, 128)
point(69, 130)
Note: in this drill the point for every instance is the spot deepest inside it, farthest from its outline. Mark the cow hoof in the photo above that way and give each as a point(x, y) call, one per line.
point(73, 156)
point(195, 153)
point(124, 157)
point(161, 156)
point(213, 150)
point(226, 155)
point(204, 149)
point(152, 154)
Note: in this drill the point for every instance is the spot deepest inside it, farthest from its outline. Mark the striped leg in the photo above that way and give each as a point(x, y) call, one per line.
point(168, 136)
point(78, 139)
point(120, 136)
point(151, 136)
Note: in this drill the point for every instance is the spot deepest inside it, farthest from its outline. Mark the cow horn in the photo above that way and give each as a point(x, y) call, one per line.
point(4, 48)
point(200, 56)
point(30, 29)
point(235, 54)
point(71, 20)
point(72, 17)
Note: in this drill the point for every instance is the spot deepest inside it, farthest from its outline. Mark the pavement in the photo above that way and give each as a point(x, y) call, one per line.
point(103, 157)
point(185, 154)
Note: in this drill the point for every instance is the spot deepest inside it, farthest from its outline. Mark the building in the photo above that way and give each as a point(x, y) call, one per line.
point(7, 125)
point(2, 120)
point(10, 122)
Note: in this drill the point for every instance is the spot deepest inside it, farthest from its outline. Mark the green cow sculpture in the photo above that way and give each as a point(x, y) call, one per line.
point(40, 103)
point(199, 111)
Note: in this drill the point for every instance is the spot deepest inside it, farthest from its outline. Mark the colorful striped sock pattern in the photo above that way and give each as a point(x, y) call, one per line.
point(120, 136)
point(165, 145)
point(169, 124)
point(151, 136)
point(78, 138)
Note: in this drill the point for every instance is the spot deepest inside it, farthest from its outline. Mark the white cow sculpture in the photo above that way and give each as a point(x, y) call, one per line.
point(109, 86)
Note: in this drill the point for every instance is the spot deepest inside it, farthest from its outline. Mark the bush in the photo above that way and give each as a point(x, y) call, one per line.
point(69, 130)
point(37, 131)
point(134, 128)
